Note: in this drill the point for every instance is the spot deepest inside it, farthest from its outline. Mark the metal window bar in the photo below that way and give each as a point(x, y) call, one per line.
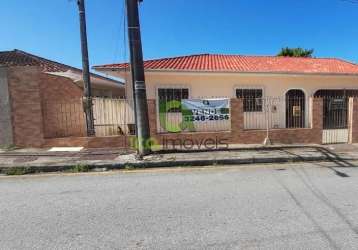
point(276, 113)
point(170, 118)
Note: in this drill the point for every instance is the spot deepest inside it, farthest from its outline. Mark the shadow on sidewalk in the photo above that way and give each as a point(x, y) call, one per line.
point(332, 157)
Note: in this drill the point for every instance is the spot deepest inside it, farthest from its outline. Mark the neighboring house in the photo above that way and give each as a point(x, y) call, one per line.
point(101, 86)
point(276, 87)
point(37, 95)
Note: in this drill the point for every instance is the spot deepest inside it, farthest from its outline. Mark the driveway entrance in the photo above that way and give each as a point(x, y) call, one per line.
point(335, 114)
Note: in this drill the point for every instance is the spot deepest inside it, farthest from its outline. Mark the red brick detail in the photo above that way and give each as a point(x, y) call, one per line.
point(354, 121)
point(62, 107)
point(43, 106)
point(237, 114)
point(317, 114)
point(26, 106)
point(240, 136)
point(152, 115)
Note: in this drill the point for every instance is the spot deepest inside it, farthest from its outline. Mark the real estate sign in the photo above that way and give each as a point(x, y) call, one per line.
point(195, 115)
point(208, 110)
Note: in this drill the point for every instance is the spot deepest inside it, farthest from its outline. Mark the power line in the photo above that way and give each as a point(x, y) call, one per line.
point(117, 55)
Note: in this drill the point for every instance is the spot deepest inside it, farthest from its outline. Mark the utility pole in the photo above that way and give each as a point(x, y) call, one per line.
point(87, 101)
point(138, 80)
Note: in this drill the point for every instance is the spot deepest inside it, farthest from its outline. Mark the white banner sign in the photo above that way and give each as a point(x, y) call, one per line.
point(206, 110)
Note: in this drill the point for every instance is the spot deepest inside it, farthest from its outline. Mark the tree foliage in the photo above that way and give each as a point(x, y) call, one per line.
point(296, 52)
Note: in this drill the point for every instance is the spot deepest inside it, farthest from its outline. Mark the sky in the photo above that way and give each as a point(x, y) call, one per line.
point(50, 28)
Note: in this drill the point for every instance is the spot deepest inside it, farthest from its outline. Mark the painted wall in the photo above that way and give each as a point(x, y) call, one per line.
point(211, 85)
point(224, 85)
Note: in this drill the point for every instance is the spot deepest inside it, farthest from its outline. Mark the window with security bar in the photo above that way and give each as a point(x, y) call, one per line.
point(252, 99)
point(166, 95)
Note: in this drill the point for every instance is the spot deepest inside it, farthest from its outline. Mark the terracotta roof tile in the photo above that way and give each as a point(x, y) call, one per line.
point(22, 58)
point(238, 63)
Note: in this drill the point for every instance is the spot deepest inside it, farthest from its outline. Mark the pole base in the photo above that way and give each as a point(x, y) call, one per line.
point(267, 142)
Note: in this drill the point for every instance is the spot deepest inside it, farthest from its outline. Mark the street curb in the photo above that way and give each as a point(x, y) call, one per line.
point(31, 169)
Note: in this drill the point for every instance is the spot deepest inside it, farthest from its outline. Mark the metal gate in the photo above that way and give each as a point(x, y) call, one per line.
point(335, 120)
point(295, 109)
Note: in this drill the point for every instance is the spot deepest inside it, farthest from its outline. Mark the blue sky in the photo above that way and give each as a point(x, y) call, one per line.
point(180, 27)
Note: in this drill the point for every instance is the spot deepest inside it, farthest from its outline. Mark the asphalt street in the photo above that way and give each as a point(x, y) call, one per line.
point(290, 206)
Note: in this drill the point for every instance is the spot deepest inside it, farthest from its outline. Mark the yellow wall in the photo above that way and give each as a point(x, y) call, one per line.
point(224, 84)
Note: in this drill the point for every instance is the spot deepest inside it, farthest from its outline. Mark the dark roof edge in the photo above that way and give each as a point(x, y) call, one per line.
point(39, 59)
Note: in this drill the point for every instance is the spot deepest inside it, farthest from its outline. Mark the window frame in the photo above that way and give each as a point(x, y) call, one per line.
point(173, 87)
point(257, 107)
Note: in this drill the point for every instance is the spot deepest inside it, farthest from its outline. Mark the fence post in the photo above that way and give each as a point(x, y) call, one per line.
point(237, 118)
point(266, 107)
point(353, 120)
point(317, 118)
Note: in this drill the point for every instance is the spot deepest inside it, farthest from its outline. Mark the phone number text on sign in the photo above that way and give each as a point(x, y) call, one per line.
point(202, 115)
point(203, 118)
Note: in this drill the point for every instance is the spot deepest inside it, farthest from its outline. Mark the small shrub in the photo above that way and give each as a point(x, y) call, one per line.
point(129, 167)
point(17, 171)
point(79, 168)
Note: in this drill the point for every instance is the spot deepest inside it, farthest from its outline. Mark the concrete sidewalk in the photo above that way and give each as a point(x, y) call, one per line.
point(42, 160)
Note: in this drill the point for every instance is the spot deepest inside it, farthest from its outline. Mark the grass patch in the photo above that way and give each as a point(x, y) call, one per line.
point(80, 168)
point(17, 171)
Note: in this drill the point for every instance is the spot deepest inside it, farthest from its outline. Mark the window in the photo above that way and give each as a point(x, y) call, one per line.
point(166, 95)
point(252, 99)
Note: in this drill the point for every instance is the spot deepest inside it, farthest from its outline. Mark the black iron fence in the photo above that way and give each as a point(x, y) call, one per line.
point(276, 113)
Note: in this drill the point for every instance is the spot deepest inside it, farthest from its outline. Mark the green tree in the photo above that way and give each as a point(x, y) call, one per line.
point(296, 52)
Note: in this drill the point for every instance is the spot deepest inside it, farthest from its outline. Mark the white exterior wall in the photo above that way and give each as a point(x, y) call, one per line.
point(224, 85)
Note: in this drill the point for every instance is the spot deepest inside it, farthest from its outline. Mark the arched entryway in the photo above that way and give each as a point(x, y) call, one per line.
point(295, 108)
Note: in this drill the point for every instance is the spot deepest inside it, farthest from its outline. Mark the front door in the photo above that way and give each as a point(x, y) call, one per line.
point(295, 109)
point(335, 115)
point(335, 120)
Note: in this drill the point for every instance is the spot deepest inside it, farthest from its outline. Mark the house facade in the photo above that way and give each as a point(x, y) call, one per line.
point(41, 99)
point(277, 93)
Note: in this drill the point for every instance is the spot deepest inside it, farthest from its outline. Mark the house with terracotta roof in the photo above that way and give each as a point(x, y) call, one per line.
point(101, 86)
point(219, 75)
point(285, 96)
point(38, 95)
